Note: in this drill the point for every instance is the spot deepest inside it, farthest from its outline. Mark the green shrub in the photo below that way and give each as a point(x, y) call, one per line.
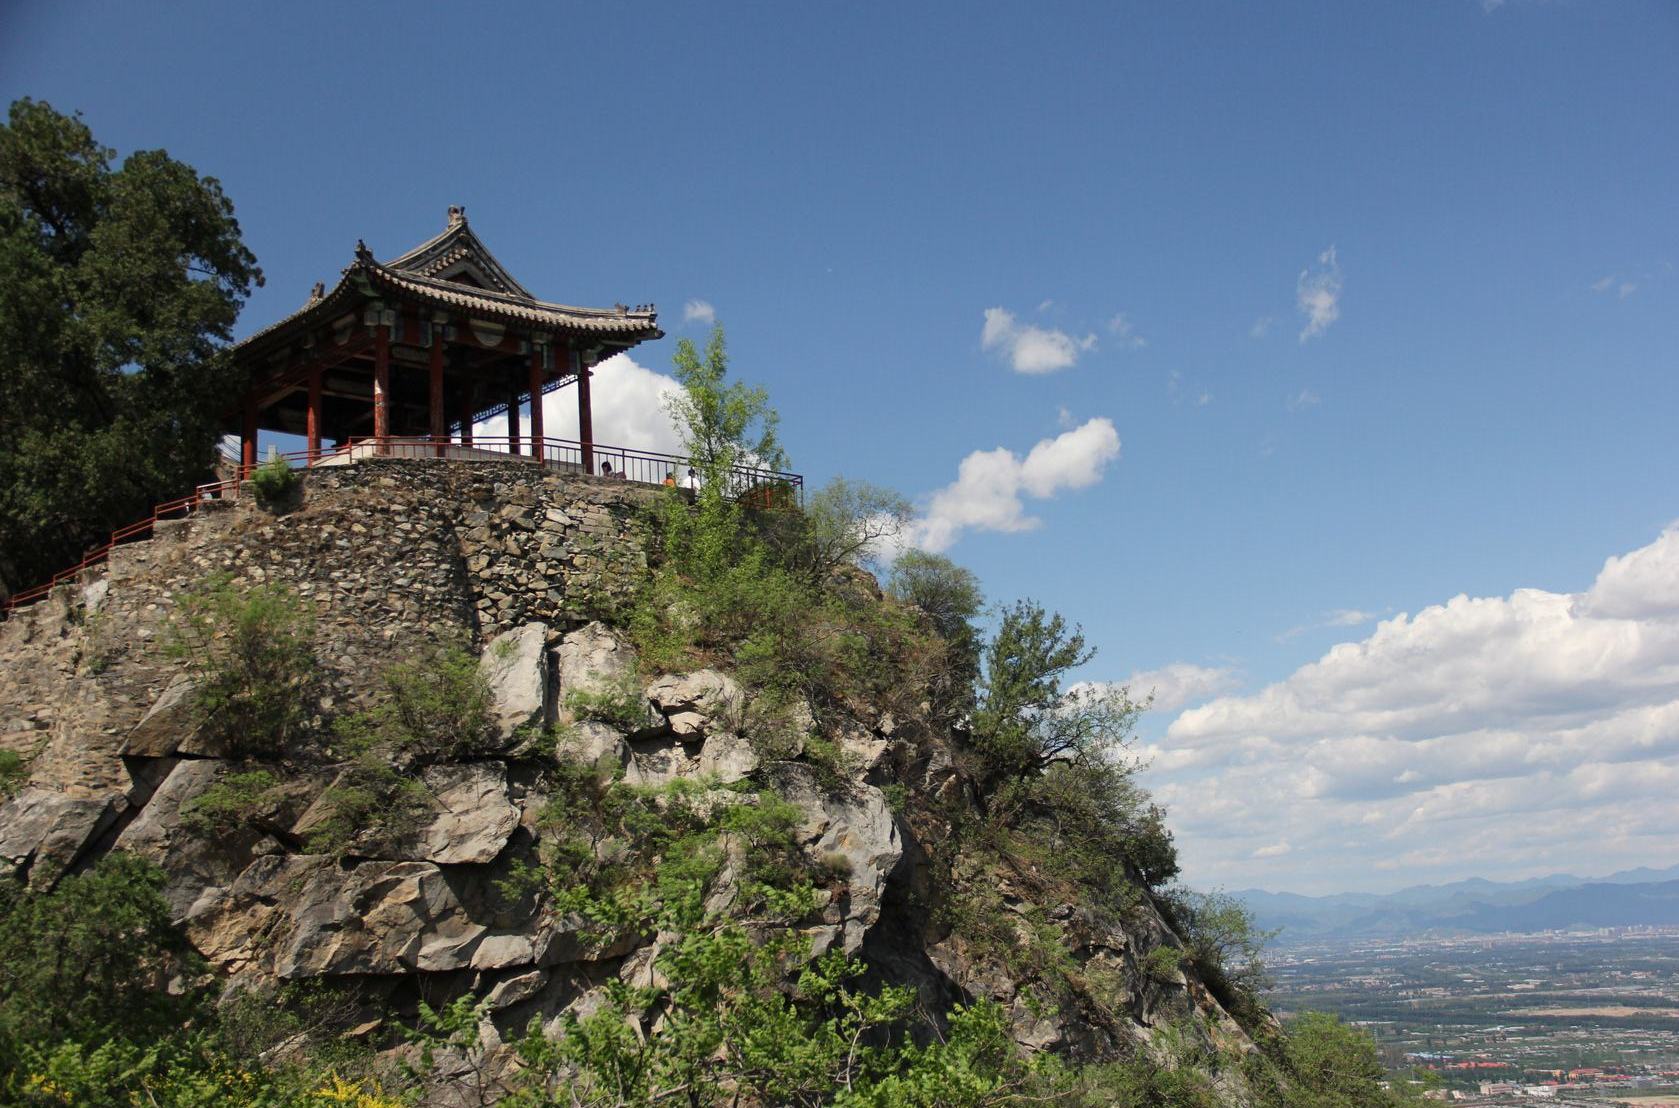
point(228, 804)
point(251, 654)
point(437, 704)
point(274, 482)
point(623, 706)
point(1163, 963)
point(89, 959)
point(14, 771)
point(371, 797)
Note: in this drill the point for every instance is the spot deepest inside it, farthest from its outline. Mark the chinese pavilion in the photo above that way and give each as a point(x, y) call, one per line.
point(420, 348)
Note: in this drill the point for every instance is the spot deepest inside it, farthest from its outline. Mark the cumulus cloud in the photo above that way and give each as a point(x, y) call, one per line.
point(1029, 348)
point(1317, 293)
point(1173, 686)
point(626, 401)
point(699, 311)
point(1498, 735)
point(991, 486)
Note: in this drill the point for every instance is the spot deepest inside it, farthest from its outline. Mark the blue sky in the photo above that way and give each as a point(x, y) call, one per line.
point(1378, 303)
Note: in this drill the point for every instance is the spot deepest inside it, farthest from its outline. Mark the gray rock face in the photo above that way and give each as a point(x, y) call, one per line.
point(515, 664)
point(727, 756)
point(470, 819)
point(855, 830)
point(47, 830)
point(379, 917)
point(171, 721)
point(595, 744)
point(594, 659)
point(698, 703)
point(197, 866)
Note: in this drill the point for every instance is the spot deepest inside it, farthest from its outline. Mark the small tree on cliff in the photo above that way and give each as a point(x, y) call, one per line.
point(723, 423)
point(119, 287)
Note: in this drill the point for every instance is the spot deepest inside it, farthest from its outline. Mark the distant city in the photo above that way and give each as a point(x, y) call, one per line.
point(1568, 1018)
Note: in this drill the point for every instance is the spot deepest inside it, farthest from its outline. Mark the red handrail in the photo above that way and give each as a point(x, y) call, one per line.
point(756, 487)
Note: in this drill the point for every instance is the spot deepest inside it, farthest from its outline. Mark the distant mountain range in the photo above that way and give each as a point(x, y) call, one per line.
point(1631, 898)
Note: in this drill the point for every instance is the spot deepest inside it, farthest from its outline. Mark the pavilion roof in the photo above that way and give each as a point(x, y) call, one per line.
point(432, 274)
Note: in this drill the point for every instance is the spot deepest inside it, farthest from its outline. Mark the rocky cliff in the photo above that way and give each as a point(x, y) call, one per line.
point(533, 574)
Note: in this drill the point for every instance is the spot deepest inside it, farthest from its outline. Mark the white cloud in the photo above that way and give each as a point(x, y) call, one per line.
point(699, 311)
point(990, 485)
point(626, 403)
point(1303, 399)
point(1338, 617)
point(1349, 617)
point(1274, 850)
point(1317, 293)
point(1503, 735)
point(1121, 328)
point(1626, 289)
point(1261, 327)
point(1029, 348)
point(1603, 284)
point(1173, 686)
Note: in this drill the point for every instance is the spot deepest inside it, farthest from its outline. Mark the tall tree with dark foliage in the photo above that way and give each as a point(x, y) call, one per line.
point(119, 287)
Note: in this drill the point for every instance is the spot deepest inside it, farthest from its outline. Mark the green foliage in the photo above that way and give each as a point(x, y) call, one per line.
point(950, 598)
point(103, 1003)
point(14, 771)
point(437, 705)
point(1163, 963)
point(371, 798)
point(1323, 1063)
point(228, 804)
point(623, 706)
point(1228, 950)
point(1023, 722)
point(771, 593)
point(251, 653)
point(846, 523)
point(119, 287)
point(274, 482)
point(89, 959)
point(723, 423)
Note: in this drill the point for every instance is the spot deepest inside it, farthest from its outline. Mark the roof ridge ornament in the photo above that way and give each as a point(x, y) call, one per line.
point(363, 254)
point(457, 215)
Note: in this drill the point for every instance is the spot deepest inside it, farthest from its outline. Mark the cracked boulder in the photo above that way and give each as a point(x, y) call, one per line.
point(698, 703)
point(515, 664)
point(45, 831)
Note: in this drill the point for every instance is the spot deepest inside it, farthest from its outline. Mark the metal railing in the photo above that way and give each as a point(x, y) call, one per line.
point(757, 488)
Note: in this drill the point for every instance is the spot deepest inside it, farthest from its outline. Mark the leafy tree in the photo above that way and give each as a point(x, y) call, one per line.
point(251, 652)
point(951, 599)
point(1330, 1065)
point(89, 959)
point(119, 286)
point(723, 423)
point(1227, 947)
point(1024, 722)
point(847, 522)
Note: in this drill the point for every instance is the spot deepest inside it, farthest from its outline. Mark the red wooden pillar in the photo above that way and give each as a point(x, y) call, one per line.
point(585, 417)
point(312, 427)
point(381, 386)
point(536, 401)
point(439, 433)
point(248, 437)
point(513, 417)
point(468, 392)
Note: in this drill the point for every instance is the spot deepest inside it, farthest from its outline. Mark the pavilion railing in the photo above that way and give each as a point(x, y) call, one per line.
point(755, 487)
